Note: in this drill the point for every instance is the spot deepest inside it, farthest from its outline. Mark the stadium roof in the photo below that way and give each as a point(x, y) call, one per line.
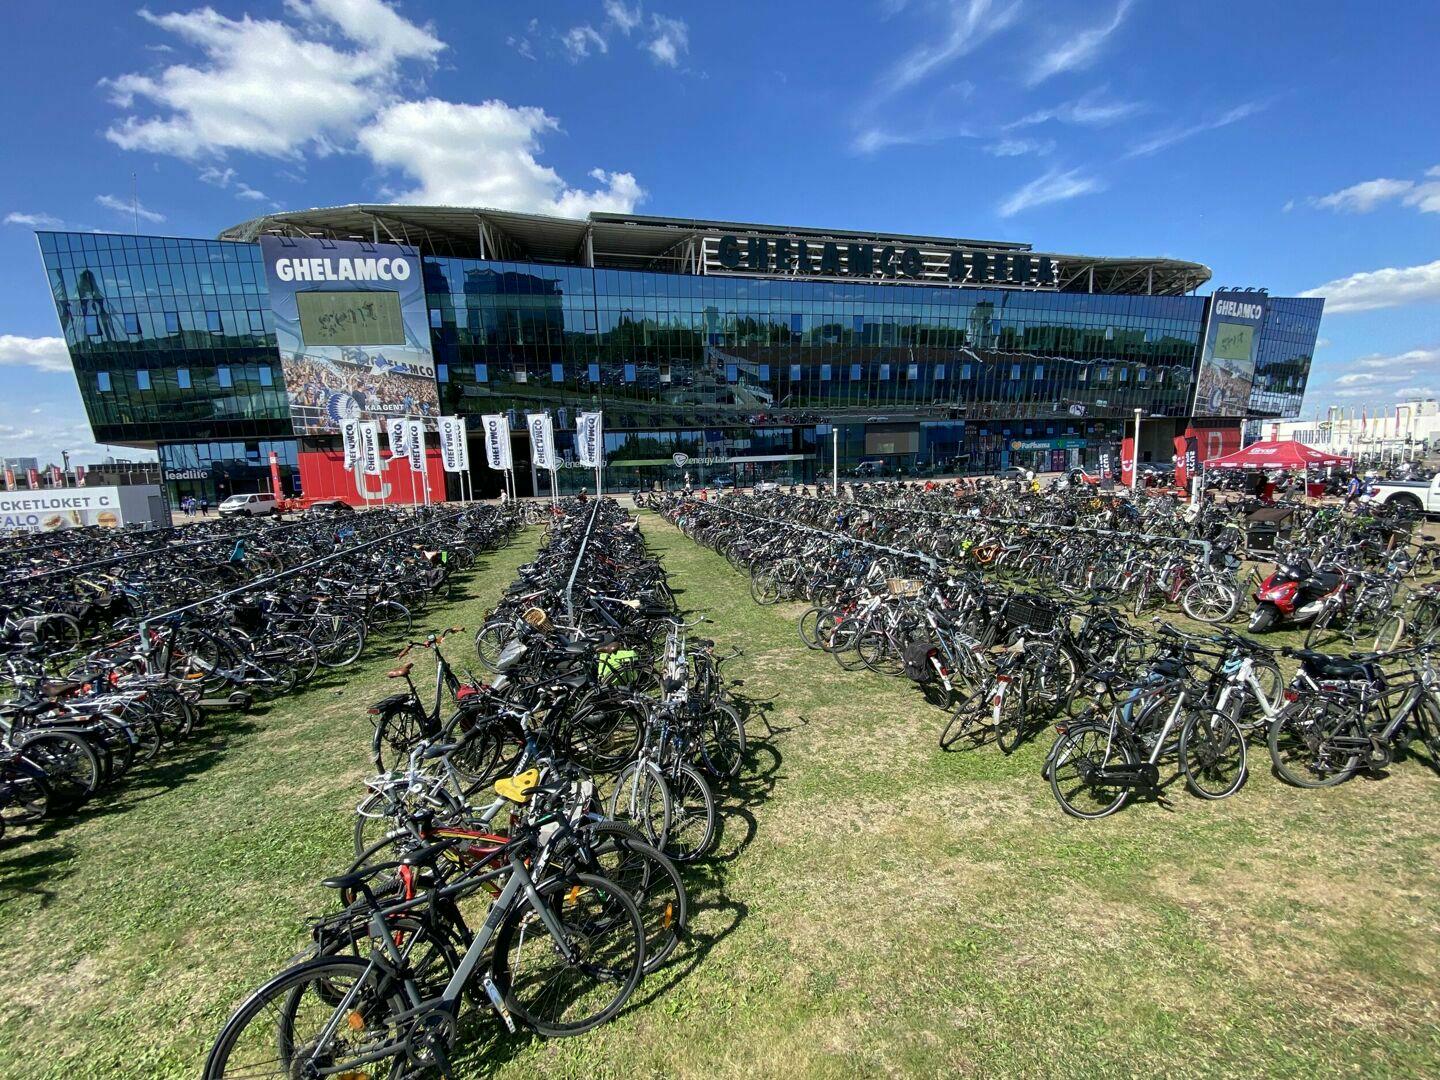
point(641, 242)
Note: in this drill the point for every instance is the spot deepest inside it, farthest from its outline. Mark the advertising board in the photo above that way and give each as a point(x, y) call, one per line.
point(353, 331)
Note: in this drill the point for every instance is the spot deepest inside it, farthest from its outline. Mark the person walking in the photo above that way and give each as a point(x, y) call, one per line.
point(204, 505)
point(1352, 491)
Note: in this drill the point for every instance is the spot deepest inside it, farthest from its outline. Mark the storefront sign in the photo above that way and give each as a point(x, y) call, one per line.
point(65, 508)
point(1063, 442)
point(974, 267)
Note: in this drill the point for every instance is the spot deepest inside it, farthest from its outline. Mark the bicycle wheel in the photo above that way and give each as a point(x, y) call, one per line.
point(1392, 630)
point(765, 588)
point(1212, 755)
point(72, 766)
point(342, 642)
point(1210, 601)
point(968, 722)
point(651, 880)
point(1320, 634)
point(692, 815)
point(807, 624)
point(26, 797)
point(642, 800)
point(722, 741)
point(555, 996)
point(1075, 772)
point(1302, 746)
point(277, 1029)
point(490, 639)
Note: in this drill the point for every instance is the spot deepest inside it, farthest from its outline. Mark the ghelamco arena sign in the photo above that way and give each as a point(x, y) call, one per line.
point(972, 267)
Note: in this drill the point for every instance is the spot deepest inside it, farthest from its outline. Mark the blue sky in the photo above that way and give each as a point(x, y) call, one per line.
point(1292, 146)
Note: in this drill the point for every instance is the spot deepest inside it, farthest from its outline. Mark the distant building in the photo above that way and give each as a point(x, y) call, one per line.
point(1412, 425)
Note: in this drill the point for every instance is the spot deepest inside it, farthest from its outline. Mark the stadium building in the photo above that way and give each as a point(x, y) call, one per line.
point(714, 348)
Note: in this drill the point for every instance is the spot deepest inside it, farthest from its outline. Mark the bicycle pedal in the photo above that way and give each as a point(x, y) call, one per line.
point(498, 1002)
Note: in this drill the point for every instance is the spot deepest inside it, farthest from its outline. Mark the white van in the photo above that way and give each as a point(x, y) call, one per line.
point(253, 505)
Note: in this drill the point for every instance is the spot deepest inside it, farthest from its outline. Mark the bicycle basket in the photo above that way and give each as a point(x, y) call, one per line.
point(904, 586)
point(538, 619)
point(1032, 613)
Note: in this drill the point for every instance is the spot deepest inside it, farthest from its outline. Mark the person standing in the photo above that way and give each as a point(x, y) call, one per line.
point(204, 505)
point(1352, 491)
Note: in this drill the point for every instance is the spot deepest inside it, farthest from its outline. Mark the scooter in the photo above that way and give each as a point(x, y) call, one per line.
point(1294, 595)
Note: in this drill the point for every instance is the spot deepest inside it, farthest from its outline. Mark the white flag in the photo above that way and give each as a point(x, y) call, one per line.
point(542, 440)
point(590, 439)
point(395, 430)
point(350, 440)
point(453, 451)
point(497, 441)
point(415, 444)
point(370, 447)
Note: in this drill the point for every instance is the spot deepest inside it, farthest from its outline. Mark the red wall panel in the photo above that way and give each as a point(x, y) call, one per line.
point(323, 476)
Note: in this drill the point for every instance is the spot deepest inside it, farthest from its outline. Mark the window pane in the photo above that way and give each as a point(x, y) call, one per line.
point(182, 376)
point(102, 380)
point(267, 377)
point(482, 373)
point(223, 374)
point(142, 379)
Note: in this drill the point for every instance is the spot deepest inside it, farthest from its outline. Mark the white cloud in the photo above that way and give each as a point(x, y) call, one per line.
point(1165, 139)
point(373, 24)
point(33, 221)
point(1054, 186)
point(1425, 197)
point(484, 155)
point(669, 40)
point(1416, 393)
point(265, 87)
point(1363, 197)
point(1367, 378)
point(972, 22)
point(1405, 359)
point(1079, 50)
point(1091, 110)
point(1019, 147)
point(130, 207)
point(219, 177)
point(41, 353)
point(624, 18)
point(580, 40)
point(1388, 287)
point(1322, 343)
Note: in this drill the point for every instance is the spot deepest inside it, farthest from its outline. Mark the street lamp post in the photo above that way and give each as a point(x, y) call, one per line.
point(1135, 457)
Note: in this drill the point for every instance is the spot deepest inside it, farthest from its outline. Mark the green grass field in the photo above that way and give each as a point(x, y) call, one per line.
point(875, 908)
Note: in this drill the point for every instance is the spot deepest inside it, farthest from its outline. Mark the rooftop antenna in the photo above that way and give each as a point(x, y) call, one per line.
point(135, 202)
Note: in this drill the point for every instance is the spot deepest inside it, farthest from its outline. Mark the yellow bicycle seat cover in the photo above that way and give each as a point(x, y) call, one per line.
point(517, 788)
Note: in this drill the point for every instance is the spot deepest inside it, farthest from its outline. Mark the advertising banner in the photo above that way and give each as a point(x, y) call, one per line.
point(47, 511)
point(1127, 461)
point(454, 451)
point(352, 329)
point(32, 476)
point(542, 440)
point(497, 441)
point(350, 441)
point(79, 475)
point(57, 478)
point(1227, 360)
point(370, 447)
point(590, 438)
point(395, 433)
point(415, 445)
point(9, 478)
point(275, 487)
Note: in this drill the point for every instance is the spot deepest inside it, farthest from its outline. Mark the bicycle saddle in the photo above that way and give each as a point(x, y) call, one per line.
point(517, 789)
point(356, 878)
point(401, 671)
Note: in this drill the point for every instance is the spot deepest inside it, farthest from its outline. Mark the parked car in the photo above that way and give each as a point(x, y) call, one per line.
point(252, 505)
point(1010, 472)
point(332, 504)
point(766, 485)
point(723, 482)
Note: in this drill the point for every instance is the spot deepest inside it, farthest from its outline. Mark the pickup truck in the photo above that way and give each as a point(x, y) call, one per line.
point(1421, 495)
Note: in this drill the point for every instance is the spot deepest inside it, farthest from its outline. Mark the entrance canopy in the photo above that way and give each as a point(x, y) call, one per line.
point(1276, 454)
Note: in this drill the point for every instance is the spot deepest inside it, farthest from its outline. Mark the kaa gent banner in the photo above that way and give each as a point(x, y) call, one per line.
point(590, 438)
point(454, 452)
point(350, 440)
point(415, 445)
point(395, 432)
point(370, 447)
point(497, 441)
point(542, 440)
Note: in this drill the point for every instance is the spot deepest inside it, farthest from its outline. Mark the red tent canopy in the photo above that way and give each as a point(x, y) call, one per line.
point(1275, 454)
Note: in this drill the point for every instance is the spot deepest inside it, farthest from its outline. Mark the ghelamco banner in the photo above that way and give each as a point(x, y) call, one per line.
point(454, 448)
point(497, 441)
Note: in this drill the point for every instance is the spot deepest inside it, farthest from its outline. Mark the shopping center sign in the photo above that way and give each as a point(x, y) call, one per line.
point(966, 266)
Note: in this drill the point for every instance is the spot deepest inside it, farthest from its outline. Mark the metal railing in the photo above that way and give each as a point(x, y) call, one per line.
point(579, 558)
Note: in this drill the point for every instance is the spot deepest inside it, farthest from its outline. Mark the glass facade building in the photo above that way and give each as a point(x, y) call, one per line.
point(174, 346)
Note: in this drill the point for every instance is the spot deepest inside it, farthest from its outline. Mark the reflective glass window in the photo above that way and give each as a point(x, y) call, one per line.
point(222, 374)
point(142, 379)
point(102, 381)
point(182, 377)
